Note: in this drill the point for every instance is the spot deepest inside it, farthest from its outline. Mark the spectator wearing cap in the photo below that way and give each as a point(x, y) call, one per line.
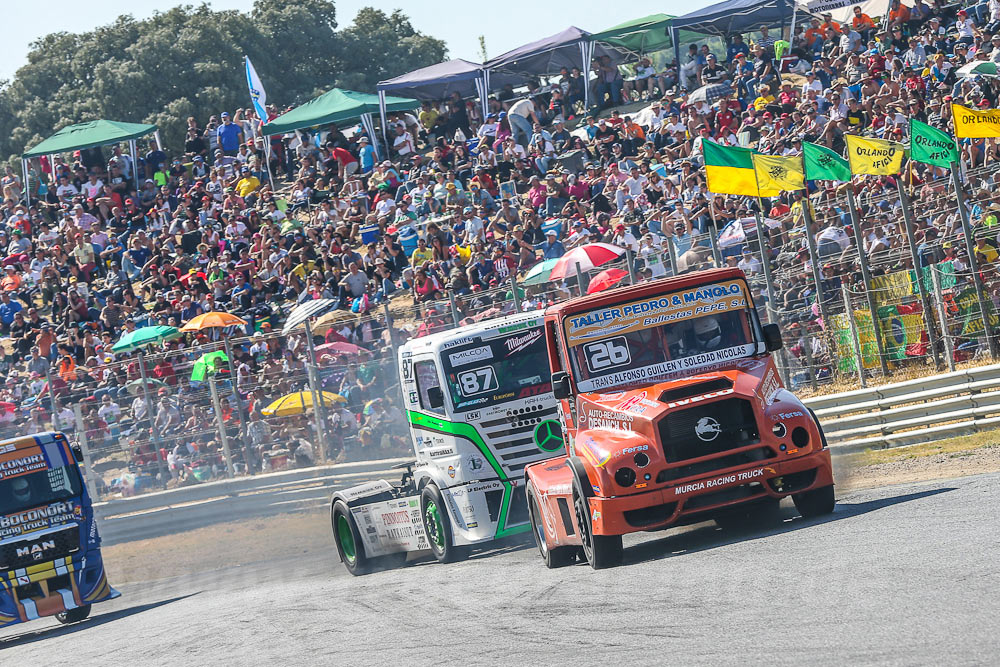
point(247, 185)
point(552, 247)
point(229, 134)
point(366, 156)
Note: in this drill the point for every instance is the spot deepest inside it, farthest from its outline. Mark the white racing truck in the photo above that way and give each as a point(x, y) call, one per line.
point(479, 405)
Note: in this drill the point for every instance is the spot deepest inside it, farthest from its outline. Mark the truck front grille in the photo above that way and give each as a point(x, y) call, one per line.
point(710, 429)
point(512, 437)
point(40, 549)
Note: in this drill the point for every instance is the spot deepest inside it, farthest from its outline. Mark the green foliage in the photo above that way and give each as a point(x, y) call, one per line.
point(188, 61)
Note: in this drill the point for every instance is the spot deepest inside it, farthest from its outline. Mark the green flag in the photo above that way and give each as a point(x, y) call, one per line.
point(822, 164)
point(931, 146)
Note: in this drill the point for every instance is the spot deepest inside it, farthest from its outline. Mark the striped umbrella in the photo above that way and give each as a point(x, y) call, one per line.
point(978, 68)
point(587, 257)
point(710, 93)
point(540, 273)
point(305, 310)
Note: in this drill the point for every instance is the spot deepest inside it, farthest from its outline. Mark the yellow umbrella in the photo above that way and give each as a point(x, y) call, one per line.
point(299, 402)
point(212, 320)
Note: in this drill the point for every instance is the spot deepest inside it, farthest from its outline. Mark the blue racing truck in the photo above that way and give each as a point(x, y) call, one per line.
point(50, 556)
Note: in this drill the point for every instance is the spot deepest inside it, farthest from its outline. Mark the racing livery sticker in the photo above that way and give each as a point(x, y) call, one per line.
point(37, 518)
point(655, 311)
point(663, 370)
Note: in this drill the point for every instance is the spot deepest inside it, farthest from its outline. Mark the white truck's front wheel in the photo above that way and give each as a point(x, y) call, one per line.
point(437, 526)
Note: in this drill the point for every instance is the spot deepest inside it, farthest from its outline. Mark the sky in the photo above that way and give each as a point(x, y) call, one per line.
point(505, 25)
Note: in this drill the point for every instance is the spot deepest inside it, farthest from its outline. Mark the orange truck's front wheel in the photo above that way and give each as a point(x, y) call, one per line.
point(601, 551)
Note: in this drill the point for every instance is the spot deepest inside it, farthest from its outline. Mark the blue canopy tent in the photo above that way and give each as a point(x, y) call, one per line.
point(732, 16)
point(438, 81)
point(570, 48)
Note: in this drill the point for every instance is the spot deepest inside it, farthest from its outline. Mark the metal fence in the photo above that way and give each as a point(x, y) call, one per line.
point(155, 421)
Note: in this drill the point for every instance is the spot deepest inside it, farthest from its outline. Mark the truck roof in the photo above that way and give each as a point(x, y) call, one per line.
point(631, 292)
point(434, 342)
point(32, 440)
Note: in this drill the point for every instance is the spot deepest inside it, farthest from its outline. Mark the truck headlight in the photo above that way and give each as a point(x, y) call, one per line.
point(625, 477)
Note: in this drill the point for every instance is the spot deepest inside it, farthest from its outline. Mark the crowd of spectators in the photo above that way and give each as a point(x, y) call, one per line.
point(462, 202)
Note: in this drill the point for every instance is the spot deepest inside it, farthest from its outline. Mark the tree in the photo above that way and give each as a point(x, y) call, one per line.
point(379, 46)
point(188, 61)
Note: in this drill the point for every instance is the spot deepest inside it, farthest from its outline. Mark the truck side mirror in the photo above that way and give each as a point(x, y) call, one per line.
point(560, 385)
point(435, 397)
point(772, 337)
point(77, 453)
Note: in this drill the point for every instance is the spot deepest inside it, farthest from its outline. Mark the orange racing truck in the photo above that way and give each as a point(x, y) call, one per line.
point(50, 557)
point(672, 412)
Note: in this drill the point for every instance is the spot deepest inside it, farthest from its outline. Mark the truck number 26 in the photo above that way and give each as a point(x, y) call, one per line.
point(607, 353)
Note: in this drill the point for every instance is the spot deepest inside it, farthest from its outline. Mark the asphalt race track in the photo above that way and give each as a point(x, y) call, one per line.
point(901, 575)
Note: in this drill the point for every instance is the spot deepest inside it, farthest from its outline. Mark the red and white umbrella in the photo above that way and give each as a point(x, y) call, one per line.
point(338, 348)
point(587, 256)
point(606, 279)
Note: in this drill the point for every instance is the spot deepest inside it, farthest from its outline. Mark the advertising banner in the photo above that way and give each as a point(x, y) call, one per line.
point(655, 311)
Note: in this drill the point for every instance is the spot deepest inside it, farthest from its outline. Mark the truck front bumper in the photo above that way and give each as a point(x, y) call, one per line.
point(692, 499)
point(53, 587)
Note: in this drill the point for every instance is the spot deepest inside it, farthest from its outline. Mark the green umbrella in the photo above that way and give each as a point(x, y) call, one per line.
point(539, 273)
point(207, 363)
point(978, 67)
point(145, 336)
point(290, 225)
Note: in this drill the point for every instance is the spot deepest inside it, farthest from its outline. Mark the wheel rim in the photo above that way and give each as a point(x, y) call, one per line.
point(346, 537)
point(583, 521)
point(432, 517)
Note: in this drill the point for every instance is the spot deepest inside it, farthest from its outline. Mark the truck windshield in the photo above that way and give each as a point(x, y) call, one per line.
point(653, 338)
point(39, 488)
point(486, 372)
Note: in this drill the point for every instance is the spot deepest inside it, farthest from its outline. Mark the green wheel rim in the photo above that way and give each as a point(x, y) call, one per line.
point(433, 518)
point(346, 537)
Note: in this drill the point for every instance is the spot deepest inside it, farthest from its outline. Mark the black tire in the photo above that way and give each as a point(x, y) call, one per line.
point(437, 526)
point(759, 514)
point(600, 551)
point(390, 561)
point(74, 615)
point(556, 557)
point(819, 427)
point(348, 540)
point(817, 502)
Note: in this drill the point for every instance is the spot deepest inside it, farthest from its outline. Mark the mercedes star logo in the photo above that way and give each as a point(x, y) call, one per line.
point(548, 435)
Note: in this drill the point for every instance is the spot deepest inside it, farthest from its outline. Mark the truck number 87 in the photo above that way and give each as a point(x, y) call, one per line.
point(607, 353)
point(477, 381)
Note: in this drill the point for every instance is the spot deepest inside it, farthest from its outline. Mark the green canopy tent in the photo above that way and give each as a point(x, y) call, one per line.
point(645, 35)
point(87, 135)
point(640, 36)
point(337, 106)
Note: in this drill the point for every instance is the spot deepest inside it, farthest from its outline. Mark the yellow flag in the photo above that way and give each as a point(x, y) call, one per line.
point(874, 156)
point(973, 124)
point(779, 173)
